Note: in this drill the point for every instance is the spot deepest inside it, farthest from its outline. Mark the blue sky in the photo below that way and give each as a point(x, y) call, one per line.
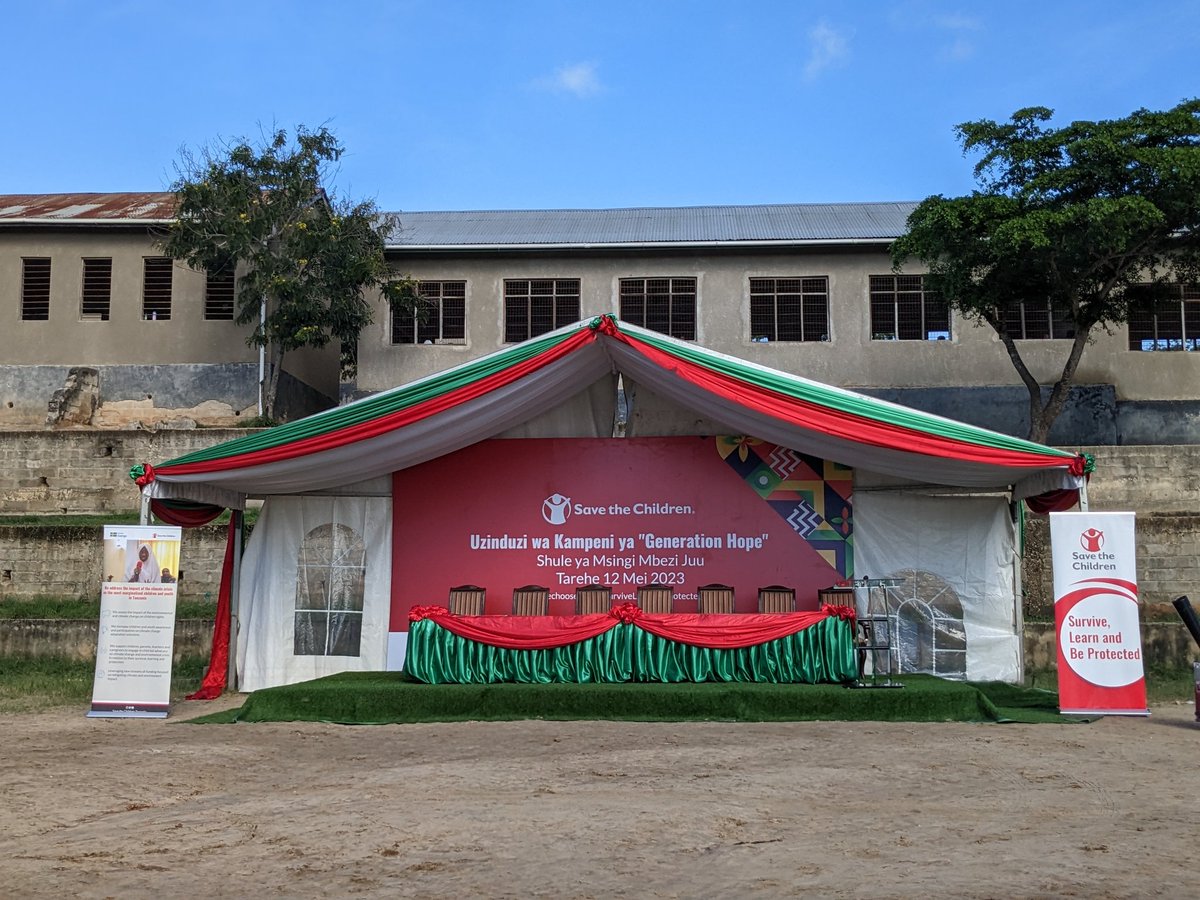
point(526, 104)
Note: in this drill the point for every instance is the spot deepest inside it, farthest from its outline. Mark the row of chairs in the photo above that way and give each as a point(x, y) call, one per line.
point(534, 600)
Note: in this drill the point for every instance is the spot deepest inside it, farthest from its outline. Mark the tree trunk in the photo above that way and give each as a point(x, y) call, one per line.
point(271, 390)
point(1039, 426)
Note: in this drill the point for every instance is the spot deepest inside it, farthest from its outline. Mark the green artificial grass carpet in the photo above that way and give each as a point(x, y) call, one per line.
point(375, 698)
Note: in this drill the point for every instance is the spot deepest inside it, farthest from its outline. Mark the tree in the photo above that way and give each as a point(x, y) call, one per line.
point(308, 257)
point(1084, 219)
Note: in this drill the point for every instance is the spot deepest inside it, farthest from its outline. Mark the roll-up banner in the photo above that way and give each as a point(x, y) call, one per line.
point(135, 644)
point(1100, 668)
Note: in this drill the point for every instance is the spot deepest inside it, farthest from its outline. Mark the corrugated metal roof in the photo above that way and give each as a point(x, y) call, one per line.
point(86, 208)
point(787, 223)
point(779, 223)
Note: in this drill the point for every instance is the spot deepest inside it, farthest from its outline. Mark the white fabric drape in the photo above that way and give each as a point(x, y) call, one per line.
point(266, 643)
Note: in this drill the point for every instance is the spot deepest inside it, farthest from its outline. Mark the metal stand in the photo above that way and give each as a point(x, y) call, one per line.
point(873, 631)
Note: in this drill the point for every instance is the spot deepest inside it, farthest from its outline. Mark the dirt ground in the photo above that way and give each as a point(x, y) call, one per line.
point(139, 808)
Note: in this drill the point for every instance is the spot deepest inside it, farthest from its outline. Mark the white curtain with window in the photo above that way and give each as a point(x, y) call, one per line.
point(943, 545)
point(315, 590)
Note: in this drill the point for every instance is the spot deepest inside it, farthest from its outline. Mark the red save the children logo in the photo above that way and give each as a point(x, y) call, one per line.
point(1092, 540)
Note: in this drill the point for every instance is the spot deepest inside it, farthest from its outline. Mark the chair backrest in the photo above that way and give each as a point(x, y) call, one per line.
point(776, 598)
point(656, 598)
point(531, 600)
point(715, 598)
point(467, 600)
point(592, 598)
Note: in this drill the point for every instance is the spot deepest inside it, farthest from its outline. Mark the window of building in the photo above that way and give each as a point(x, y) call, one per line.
point(35, 289)
point(902, 310)
point(156, 288)
point(1170, 322)
point(442, 318)
point(661, 304)
point(330, 581)
point(220, 291)
point(789, 309)
point(97, 289)
point(1029, 320)
point(533, 306)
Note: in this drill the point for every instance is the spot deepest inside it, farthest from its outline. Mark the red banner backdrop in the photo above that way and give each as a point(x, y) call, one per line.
point(569, 512)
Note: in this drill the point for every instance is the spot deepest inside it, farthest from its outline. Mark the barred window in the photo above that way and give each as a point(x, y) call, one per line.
point(789, 309)
point(902, 310)
point(156, 287)
point(330, 584)
point(97, 289)
point(1167, 320)
point(35, 289)
point(220, 292)
point(441, 317)
point(667, 305)
point(533, 306)
point(1029, 320)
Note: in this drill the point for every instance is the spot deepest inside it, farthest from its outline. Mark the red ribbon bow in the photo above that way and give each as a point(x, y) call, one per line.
point(417, 613)
point(627, 612)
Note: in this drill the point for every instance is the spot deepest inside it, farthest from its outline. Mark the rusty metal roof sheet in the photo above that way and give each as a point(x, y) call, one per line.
point(86, 209)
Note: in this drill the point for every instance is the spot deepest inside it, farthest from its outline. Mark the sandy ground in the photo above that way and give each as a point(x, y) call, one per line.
point(139, 808)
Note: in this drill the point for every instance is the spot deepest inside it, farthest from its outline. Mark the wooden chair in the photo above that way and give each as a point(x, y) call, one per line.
point(715, 598)
point(592, 598)
point(531, 600)
point(656, 598)
point(776, 598)
point(466, 600)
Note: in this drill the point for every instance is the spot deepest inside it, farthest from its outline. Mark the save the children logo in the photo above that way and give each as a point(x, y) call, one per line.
point(556, 508)
point(1092, 540)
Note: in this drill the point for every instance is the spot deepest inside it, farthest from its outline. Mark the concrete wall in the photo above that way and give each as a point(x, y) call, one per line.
point(185, 366)
point(1139, 392)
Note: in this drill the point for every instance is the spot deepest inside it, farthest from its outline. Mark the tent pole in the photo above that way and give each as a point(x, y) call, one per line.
point(234, 589)
point(144, 507)
point(1083, 500)
point(1017, 512)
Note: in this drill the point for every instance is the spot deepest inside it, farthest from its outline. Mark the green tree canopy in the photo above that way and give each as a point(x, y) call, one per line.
point(1084, 219)
point(307, 257)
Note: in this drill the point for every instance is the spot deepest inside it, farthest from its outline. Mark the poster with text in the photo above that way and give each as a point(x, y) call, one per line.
point(1096, 619)
point(136, 637)
point(569, 512)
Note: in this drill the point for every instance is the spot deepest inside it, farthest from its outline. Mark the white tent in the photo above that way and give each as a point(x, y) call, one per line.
point(933, 498)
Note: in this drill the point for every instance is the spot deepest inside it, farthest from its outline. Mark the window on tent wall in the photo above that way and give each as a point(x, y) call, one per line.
point(1169, 320)
point(35, 289)
point(533, 306)
point(667, 305)
point(330, 580)
point(1030, 320)
point(442, 316)
point(156, 288)
point(902, 310)
point(789, 309)
point(220, 293)
point(96, 302)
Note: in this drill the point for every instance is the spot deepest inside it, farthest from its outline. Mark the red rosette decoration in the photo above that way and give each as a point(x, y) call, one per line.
point(417, 613)
point(842, 612)
point(627, 613)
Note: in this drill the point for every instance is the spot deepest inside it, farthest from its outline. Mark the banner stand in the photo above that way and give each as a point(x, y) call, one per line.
point(136, 635)
point(1096, 620)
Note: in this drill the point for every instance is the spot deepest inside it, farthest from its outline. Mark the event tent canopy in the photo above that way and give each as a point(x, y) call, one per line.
point(482, 398)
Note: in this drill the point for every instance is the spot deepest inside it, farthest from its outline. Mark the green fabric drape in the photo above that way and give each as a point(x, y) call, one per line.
point(822, 653)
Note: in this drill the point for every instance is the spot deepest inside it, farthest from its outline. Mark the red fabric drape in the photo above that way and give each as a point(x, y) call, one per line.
point(1053, 501)
point(218, 661)
point(544, 632)
point(187, 515)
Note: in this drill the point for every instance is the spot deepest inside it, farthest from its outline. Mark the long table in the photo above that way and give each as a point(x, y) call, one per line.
point(627, 644)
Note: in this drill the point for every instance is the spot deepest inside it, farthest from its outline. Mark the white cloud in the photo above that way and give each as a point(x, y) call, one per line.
point(579, 79)
point(958, 25)
point(827, 47)
point(957, 22)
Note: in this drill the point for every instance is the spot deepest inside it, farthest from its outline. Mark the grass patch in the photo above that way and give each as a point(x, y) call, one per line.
point(1163, 685)
point(392, 697)
point(30, 685)
point(89, 609)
